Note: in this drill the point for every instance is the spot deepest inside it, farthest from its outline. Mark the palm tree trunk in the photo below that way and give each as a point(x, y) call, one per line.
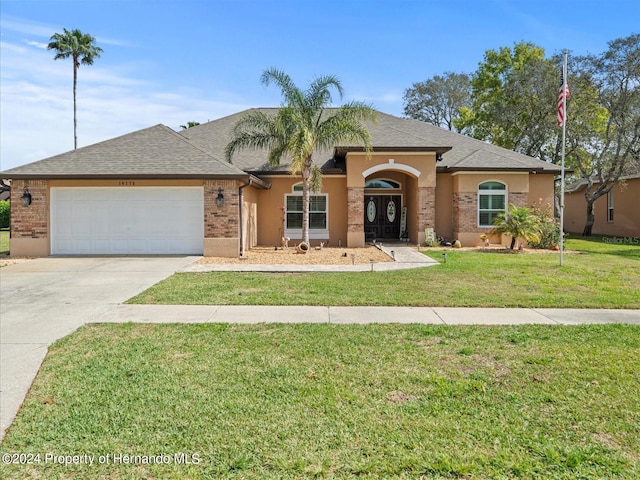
point(75, 121)
point(306, 178)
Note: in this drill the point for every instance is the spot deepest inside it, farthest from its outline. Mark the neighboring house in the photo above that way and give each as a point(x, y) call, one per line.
point(617, 213)
point(157, 191)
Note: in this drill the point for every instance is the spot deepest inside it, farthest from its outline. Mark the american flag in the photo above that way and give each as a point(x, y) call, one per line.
point(563, 94)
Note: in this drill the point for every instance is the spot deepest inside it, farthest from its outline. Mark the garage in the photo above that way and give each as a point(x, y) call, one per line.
point(127, 220)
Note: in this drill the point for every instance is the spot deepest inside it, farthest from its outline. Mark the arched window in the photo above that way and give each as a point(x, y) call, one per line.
point(382, 183)
point(492, 201)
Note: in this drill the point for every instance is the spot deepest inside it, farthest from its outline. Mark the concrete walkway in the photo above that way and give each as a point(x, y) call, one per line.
point(362, 315)
point(45, 299)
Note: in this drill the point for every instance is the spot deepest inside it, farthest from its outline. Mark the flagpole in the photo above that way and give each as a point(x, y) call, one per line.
point(564, 132)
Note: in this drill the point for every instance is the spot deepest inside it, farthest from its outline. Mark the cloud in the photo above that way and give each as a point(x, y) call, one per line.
point(33, 43)
point(36, 119)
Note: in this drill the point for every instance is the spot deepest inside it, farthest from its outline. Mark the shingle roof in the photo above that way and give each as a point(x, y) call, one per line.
point(387, 132)
point(199, 152)
point(157, 151)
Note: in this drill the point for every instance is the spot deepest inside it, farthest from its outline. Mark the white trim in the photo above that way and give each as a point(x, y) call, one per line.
point(488, 192)
point(391, 166)
point(313, 234)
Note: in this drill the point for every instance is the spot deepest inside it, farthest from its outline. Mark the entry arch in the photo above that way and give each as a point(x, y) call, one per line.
point(401, 167)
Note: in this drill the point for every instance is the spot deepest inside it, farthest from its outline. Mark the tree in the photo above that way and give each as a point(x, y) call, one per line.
point(303, 124)
point(438, 100)
point(189, 125)
point(604, 131)
point(511, 94)
point(517, 222)
point(82, 49)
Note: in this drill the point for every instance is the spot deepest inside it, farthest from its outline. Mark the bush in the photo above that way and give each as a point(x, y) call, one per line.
point(5, 212)
point(548, 225)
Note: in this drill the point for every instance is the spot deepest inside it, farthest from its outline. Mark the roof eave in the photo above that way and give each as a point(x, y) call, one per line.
point(445, 169)
point(379, 148)
point(128, 176)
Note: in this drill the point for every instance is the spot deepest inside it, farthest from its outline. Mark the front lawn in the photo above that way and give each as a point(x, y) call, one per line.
point(602, 276)
point(334, 401)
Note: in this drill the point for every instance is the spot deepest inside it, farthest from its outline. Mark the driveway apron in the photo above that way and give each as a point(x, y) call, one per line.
point(45, 299)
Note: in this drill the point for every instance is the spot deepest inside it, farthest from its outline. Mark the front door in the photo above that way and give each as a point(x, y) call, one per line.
point(382, 217)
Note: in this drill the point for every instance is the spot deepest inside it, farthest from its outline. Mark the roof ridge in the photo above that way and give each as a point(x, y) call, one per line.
point(199, 147)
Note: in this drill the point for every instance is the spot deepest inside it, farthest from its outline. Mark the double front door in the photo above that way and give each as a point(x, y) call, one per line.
point(382, 216)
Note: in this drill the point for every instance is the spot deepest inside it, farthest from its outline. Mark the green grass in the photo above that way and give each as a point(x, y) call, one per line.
point(328, 401)
point(603, 276)
point(4, 241)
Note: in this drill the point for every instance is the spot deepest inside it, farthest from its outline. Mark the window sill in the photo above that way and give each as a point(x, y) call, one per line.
point(313, 234)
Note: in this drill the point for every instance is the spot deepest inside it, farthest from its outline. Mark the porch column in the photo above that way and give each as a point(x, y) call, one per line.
point(355, 226)
point(426, 211)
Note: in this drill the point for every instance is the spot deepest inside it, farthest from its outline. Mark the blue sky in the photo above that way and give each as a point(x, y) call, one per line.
point(174, 61)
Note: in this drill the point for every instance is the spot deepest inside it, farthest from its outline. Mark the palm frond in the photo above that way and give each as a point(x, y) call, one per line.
point(291, 93)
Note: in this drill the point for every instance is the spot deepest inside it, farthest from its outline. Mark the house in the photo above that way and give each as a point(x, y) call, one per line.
point(616, 214)
point(157, 191)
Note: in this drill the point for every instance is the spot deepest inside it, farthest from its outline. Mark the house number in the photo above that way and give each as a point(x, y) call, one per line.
point(127, 183)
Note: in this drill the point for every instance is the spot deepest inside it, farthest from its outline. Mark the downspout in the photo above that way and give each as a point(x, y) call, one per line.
point(240, 197)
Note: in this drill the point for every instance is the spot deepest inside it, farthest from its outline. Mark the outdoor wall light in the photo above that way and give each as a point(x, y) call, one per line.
point(220, 198)
point(26, 197)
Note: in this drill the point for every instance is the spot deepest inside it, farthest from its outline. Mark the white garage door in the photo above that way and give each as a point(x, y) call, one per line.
point(133, 220)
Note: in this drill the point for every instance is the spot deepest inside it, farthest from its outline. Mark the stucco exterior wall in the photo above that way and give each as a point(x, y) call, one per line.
point(270, 202)
point(541, 190)
point(444, 205)
point(249, 218)
point(416, 173)
point(626, 211)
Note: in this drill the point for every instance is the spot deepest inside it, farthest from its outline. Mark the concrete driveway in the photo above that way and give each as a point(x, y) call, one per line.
point(45, 299)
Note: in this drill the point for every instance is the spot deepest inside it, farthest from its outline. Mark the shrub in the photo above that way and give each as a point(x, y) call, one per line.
point(548, 225)
point(4, 213)
point(517, 222)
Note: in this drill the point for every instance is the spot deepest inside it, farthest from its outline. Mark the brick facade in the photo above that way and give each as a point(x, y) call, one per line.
point(31, 221)
point(426, 208)
point(221, 222)
point(518, 199)
point(465, 212)
point(465, 216)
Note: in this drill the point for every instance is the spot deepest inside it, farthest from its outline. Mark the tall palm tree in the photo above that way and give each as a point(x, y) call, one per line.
point(304, 124)
point(517, 222)
point(82, 49)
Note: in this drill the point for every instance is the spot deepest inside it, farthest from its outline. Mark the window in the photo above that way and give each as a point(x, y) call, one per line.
point(610, 206)
point(382, 183)
point(317, 214)
point(492, 201)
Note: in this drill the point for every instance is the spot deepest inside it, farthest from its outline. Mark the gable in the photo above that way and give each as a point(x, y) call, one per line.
point(152, 152)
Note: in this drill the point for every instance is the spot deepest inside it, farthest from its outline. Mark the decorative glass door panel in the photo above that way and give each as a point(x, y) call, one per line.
point(382, 217)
